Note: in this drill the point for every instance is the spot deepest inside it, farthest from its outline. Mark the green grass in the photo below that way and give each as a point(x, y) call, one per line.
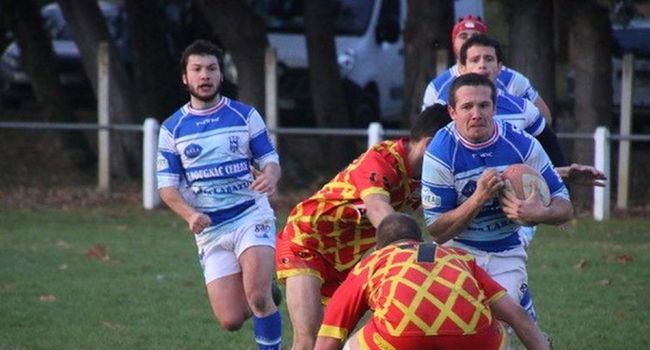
point(590, 284)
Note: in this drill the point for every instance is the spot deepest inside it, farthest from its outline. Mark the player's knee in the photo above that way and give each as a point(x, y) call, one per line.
point(260, 302)
point(231, 325)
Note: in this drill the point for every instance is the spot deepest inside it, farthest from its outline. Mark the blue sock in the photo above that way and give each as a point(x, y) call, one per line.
point(268, 331)
point(527, 303)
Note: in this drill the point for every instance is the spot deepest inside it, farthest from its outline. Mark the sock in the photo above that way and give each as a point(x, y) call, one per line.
point(527, 303)
point(268, 331)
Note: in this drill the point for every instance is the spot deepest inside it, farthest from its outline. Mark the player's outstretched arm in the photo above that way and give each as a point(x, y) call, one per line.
point(584, 175)
point(512, 313)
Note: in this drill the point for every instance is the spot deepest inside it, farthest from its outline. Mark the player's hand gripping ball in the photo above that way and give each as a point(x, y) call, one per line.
point(521, 179)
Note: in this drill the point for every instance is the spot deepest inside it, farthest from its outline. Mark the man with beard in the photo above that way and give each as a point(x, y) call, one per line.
point(216, 168)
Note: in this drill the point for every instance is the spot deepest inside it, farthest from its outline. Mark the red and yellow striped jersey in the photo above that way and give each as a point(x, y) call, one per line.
point(414, 289)
point(333, 221)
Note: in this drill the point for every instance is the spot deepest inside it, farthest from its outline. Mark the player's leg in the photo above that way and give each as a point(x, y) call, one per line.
point(255, 248)
point(305, 309)
point(258, 268)
point(225, 289)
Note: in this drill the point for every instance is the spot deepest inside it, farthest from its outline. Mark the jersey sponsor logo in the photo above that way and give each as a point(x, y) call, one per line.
point(262, 230)
point(219, 171)
point(483, 155)
point(207, 121)
point(234, 143)
point(192, 150)
point(221, 189)
point(429, 199)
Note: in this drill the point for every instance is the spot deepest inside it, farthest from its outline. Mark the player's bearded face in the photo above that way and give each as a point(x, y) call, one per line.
point(202, 77)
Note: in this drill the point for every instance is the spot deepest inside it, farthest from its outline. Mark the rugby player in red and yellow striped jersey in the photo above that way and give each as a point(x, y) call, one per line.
point(422, 296)
point(328, 233)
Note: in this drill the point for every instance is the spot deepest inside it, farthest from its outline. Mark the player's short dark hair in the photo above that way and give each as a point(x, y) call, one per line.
point(395, 227)
point(202, 48)
point(480, 40)
point(429, 121)
point(471, 79)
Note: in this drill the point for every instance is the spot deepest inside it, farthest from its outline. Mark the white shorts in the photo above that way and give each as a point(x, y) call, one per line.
point(221, 257)
point(508, 267)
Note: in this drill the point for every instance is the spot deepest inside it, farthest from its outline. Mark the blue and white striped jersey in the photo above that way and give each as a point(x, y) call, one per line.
point(207, 155)
point(452, 166)
point(509, 80)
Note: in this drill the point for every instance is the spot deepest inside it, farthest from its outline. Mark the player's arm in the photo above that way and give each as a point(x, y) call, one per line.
point(266, 181)
point(196, 220)
point(344, 310)
point(377, 208)
point(580, 174)
point(507, 310)
point(453, 222)
point(543, 108)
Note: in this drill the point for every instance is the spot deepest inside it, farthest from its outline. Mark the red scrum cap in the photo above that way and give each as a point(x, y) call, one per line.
point(468, 22)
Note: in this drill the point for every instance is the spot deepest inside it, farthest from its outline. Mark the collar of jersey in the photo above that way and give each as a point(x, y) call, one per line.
point(207, 111)
point(470, 145)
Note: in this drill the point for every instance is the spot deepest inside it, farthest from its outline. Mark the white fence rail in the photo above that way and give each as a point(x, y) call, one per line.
point(375, 133)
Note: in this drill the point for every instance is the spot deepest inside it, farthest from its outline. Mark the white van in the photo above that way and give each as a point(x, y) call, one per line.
point(370, 56)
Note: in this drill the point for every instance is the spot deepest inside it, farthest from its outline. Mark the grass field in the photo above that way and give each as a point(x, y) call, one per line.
point(125, 278)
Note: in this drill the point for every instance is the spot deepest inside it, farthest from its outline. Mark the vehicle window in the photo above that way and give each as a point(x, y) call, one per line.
point(389, 11)
point(352, 16)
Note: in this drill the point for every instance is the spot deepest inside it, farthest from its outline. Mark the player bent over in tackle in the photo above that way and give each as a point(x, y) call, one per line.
point(328, 233)
point(205, 176)
point(422, 296)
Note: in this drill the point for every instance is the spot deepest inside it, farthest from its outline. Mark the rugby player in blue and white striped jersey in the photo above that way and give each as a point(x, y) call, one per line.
point(461, 182)
point(216, 167)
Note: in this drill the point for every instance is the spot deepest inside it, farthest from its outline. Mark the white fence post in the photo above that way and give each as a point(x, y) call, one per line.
point(625, 129)
point(602, 163)
point(271, 87)
point(150, 197)
point(103, 119)
point(375, 133)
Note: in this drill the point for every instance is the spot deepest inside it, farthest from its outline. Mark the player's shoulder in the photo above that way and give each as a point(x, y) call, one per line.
point(444, 144)
point(508, 103)
point(175, 119)
point(241, 108)
point(515, 136)
point(508, 75)
point(445, 78)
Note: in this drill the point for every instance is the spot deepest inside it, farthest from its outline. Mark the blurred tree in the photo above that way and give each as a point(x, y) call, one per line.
point(90, 29)
point(243, 34)
point(325, 82)
point(156, 75)
point(590, 56)
point(531, 48)
point(428, 28)
point(24, 20)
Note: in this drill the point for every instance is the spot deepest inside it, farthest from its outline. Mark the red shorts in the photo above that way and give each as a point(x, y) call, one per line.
point(492, 338)
point(294, 260)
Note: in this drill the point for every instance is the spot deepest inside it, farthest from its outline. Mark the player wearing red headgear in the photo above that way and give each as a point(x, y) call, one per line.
point(508, 80)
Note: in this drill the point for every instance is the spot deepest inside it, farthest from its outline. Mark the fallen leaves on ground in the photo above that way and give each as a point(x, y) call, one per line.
point(98, 252)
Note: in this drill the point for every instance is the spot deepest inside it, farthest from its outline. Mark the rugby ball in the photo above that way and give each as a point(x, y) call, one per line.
point(521, 179)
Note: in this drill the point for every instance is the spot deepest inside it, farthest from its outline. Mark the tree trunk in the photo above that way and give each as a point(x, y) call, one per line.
point(243, 33)
point(428, 25)
point(89, 28)
point(156, 76)
point(23, 17)
point(532, 54)
point(590, 57)
point(325, 83)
